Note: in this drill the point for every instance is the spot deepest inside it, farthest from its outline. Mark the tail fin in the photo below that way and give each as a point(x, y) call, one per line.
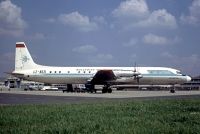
point(23, 59)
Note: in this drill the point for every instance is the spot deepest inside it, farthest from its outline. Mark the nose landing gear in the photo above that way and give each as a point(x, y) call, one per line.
point(173, 89)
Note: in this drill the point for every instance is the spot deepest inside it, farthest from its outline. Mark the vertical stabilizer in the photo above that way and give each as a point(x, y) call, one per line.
point(23, 59)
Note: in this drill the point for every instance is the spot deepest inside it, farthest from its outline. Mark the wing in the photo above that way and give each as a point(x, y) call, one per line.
point(103, 77)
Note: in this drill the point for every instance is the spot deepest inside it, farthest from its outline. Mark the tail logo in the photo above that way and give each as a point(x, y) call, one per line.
point(25, 59)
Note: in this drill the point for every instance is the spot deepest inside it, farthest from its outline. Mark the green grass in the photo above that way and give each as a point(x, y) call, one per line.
point(156, 117)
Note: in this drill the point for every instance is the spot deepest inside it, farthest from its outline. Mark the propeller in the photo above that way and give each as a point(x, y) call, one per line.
point(137, 75)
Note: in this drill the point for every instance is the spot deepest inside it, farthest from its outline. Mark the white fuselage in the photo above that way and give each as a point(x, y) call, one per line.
point(81, 75)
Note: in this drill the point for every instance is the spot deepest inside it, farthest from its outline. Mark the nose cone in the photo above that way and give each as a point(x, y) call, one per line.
point(188, 78)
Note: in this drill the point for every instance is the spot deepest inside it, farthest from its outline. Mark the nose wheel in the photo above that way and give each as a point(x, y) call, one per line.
point(173, 89)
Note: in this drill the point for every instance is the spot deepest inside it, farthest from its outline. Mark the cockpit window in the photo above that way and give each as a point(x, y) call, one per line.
point(178, 73)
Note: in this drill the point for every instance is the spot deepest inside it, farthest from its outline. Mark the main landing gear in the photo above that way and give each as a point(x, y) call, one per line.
point(91, 88)
point(106, 89)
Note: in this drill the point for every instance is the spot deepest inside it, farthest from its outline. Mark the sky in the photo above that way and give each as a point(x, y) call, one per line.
point(103, 33)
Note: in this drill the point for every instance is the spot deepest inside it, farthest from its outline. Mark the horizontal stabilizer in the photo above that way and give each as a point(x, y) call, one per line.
point(19, 75)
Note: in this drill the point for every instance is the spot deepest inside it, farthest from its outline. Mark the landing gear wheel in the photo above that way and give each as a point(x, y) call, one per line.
point(104, 90)
point(172, 90)
point(109, 90)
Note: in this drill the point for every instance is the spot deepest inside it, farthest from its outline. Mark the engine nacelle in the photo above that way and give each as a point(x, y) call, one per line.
point(127, 74)
point(139, 76)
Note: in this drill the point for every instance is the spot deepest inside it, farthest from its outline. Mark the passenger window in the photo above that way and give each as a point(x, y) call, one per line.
point(59, 72)
point(50, 72)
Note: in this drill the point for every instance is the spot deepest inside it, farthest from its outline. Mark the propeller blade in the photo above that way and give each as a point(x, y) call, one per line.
point(138, 80)
point(135, 69)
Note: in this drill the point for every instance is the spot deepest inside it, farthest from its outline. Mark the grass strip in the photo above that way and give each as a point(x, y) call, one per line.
point(139, 117)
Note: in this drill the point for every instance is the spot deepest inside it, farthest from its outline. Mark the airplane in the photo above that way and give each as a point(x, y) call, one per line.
point(26, 68)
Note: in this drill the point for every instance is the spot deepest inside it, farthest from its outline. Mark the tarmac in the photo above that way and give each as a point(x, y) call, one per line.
point(14, 97)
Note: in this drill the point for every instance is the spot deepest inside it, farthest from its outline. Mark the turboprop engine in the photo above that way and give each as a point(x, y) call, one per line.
point(128, 73)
